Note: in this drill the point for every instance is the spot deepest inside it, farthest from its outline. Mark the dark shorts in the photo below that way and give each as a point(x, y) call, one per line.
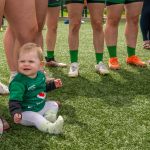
point(82, 1)
point(113, 2)
point(54, 3)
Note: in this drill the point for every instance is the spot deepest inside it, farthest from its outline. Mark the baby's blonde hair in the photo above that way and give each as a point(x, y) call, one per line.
point(28, 47)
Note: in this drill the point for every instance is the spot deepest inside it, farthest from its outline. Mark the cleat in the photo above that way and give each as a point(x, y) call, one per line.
point(101, 68)
point(74, 70)
point(53, 63)
point(136, 61)
point(113, 63)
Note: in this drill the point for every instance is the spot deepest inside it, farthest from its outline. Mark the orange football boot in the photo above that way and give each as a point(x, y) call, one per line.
point(113, 63)
point(136, 61)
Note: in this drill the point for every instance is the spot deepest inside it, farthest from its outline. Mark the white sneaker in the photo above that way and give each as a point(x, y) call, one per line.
point(101, 68)
point(3, 89)
point(74, 70)
point(57, 126)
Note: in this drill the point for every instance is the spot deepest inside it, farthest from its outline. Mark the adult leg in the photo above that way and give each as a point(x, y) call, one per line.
point(9, 41)
point(41, 9)
point(51, 36)
point(111, 33)
point(24, 24)
point(131, 32)
point(3, 88)
point(75, 15)
point(96, 16)
point(9, 44)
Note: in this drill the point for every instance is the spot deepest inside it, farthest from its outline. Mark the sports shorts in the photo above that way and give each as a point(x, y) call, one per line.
point(82, 1)
point(113, 2)
point(54, 3)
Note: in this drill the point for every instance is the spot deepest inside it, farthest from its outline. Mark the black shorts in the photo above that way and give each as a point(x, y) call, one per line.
point(82, 1)
point(113, 2)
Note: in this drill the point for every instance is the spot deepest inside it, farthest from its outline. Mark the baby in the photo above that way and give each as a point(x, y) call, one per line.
point(27, 102)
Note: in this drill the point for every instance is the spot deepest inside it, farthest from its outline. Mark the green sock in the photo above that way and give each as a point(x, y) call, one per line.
point(50, 54)
point(74, 56)
point(99, 57)
point(130, 51)
point(112, 51)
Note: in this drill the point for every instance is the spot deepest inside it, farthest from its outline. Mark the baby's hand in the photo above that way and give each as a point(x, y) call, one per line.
point(58, 83)
point(17, 118)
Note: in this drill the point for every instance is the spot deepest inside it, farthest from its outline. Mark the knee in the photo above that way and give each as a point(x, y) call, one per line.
point(97, 25)
point(27, 35)
point(52, 29)
point(114, 21)
point(133, 19)
point(75, 26)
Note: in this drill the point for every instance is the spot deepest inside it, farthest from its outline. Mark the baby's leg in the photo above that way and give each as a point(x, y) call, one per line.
point(30, 118)
point(50, 111)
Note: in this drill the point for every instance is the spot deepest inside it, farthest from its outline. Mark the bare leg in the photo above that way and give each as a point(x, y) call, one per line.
point(41, 9)
point(51, 36)
point(132, 19)
point(113, 18)
point(52, 21)
point(75, 15)
point(9, 41)
point(24, 24)
point(96, 13)
point(111, 33)
point(131, 32)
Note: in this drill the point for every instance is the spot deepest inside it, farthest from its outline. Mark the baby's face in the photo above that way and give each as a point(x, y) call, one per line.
point(29, 64)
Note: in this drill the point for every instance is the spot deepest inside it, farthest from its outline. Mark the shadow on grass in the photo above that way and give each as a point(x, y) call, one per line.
point(72, 118)
point(110, 89)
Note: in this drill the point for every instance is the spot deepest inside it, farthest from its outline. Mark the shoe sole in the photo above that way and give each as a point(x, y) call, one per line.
point(114, 68)
point(142, 66)
point(100, 73)
point(73, 76)
point(62, 66)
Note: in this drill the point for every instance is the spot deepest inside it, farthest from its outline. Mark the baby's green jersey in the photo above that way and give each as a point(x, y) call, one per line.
point(31, 93)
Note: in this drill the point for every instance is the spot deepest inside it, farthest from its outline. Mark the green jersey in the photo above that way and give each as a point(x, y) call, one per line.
point(31, 93)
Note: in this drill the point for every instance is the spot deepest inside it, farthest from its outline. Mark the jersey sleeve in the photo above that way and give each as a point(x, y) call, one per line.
point(16, 90)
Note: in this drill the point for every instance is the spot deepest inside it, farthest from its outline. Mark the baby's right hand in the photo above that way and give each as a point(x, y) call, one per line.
point(17, 118)
point(58, 83)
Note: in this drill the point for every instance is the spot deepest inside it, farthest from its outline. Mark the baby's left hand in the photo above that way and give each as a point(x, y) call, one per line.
point(58, 83)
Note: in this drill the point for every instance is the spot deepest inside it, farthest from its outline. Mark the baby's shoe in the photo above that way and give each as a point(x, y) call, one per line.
point(57, 126)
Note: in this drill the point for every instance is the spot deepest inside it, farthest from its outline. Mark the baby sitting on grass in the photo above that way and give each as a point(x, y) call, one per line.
point(27, 102)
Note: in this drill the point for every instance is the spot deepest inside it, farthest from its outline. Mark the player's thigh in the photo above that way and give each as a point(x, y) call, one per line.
point(52, 16)
point(21, 15)
point(75, 11)
point(41, 10)
point(133, 9)
point(114, 11)
point(96, 11)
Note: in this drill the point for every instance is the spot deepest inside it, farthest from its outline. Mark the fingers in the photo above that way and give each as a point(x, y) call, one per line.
point(58, 83)
point(17, 118)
